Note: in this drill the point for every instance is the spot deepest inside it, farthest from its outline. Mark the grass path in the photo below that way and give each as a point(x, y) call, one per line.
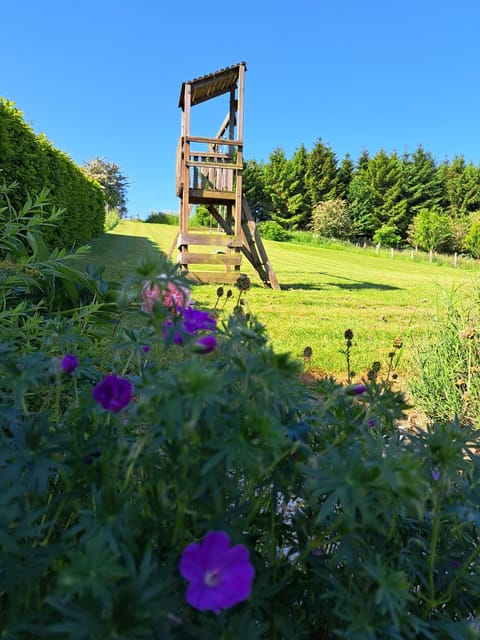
point(324, 292)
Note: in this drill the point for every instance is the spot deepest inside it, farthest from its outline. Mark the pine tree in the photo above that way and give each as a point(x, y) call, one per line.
point(321, 179)
point(361, 204)
point(422, 184)
point(282, 188)
point(299, 164)
point(345, 175)
point(253, 183)
point(384, 175)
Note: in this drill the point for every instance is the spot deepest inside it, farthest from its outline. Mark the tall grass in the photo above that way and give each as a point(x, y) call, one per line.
point(446, 381)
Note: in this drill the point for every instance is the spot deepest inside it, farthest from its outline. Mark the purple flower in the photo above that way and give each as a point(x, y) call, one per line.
point(169, 329)
point(68, 363)
point(219, 575)
point(435, 474)
point(113, 393)
point(145, 348)
point(355, 390)
point(192, 322)
point(195, 320)
point(206, 344)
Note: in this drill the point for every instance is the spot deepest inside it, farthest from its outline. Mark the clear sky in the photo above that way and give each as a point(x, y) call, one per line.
point(103, 77)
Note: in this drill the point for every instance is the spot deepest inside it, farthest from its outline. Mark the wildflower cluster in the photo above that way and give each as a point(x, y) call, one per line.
point(167, 293)
point(184, 321)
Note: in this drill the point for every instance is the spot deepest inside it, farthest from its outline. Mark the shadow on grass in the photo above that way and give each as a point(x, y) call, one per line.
point(120, 254)
point(350, 285)
point(363, 285)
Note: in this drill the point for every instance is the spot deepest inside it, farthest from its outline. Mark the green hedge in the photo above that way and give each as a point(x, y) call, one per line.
point(34, 163)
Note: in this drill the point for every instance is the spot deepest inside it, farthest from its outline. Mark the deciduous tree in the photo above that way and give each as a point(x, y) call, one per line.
point(431, 229)
point(112, 181)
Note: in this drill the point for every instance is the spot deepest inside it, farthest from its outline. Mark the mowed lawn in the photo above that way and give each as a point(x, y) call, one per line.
point(323, 293)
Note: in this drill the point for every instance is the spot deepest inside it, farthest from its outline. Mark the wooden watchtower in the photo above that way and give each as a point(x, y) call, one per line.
point(209, 172)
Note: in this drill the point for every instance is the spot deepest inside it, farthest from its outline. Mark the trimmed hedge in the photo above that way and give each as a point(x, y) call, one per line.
point(32, 162)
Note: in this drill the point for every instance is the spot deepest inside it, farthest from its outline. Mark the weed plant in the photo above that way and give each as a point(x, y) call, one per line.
point(446, 383)
point(156, 484)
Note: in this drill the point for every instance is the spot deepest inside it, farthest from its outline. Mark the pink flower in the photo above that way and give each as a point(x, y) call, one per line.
point(173, 297)
point(150, 294)
point(219, 575)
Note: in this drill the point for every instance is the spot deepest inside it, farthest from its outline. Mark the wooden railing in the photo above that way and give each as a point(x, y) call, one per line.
point(211, 163)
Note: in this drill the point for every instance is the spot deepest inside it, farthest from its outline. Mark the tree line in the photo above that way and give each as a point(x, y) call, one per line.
point(386, 198)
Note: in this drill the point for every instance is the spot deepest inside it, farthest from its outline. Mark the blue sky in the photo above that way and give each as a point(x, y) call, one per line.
point(103, 77)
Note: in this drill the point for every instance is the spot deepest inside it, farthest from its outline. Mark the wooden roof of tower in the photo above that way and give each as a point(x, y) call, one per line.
point(209, 173)
point(211, 85)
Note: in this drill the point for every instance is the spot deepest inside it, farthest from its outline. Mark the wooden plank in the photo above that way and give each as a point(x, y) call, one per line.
point(219, 141)
point(231, 260)
point(211, 239)
point(209, 154)
point(199, 196)
point(214, 277)
point(213, 165)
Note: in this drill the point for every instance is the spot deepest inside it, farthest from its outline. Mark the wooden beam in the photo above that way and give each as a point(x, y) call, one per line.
point(212, 165)
point(230, 260)
point(213, 239)
point(214, 277)
point(199, 196)
point(219, 141)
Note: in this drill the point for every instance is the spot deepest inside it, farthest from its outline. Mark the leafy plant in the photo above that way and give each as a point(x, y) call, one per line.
point(33, 276)
point(139, 472)
point(270, 230)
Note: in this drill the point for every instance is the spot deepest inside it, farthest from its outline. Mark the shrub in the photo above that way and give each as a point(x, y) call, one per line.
point(471, 241)
point(387, 236)
point(32, 163)
point(332, 219)
point(159, 217)
point(271, 230)
point(202, 217)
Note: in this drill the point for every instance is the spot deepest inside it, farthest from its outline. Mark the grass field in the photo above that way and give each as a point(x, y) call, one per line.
point(324, 292)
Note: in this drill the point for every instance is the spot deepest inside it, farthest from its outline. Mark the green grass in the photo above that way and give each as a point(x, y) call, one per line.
point(324, 292)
